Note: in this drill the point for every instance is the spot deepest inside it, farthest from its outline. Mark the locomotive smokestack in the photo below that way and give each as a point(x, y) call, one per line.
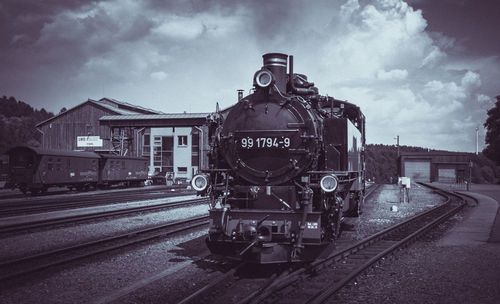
point(276, 63)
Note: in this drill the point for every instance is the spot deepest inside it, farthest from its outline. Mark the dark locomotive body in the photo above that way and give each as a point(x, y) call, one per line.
point(286, 166)
point(35, 170)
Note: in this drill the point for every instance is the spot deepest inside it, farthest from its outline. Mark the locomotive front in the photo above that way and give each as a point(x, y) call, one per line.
point(273, 196)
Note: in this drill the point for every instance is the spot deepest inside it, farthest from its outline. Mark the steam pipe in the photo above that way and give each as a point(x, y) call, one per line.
point(298, 91)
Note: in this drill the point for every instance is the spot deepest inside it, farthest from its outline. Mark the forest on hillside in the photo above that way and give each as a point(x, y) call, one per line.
point(17, 123)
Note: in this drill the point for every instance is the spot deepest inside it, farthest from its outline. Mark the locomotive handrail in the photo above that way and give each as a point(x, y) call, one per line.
point(262, 131)
point(338, 173)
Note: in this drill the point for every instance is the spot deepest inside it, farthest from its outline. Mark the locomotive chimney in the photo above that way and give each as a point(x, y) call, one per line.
point(276, 64)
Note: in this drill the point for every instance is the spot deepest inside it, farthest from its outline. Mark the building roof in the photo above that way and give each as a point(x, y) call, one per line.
point(155, 120)
point(434, 153)
point(40, 151)
point(128, 106)
point(117, 110)
point(155, 116)
point(113, 105)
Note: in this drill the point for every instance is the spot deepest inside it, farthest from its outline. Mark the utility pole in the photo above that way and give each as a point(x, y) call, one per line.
point(477, 140)
point(397, 142)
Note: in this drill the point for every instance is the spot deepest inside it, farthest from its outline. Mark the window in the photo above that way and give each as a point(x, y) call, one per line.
point(182, 169)
point(195, 160)
point(89, 129)
point(146, 144)
point(157, 140)
point(195, 148)
point(182, 140)
point(58, 164)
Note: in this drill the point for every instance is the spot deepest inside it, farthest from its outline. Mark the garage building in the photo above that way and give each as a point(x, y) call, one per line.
point(445, 167)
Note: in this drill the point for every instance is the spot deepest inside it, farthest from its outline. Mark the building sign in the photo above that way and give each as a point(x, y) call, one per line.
point(88, 141)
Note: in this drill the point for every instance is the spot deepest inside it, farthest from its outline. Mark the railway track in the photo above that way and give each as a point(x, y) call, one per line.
point(30, 205)
point(70, 219)
point(319, 281)
point(219, 286)
point(316, 282)
point(17, 268)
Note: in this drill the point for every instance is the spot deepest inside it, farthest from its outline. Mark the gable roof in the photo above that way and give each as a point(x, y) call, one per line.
point(155, 120)
point(114, 106)
point(134, 109)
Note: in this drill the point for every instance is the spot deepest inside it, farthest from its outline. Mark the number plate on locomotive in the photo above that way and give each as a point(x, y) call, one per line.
point(264, 142)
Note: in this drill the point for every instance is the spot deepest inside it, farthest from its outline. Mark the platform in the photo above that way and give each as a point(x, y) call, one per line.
point(482, 224)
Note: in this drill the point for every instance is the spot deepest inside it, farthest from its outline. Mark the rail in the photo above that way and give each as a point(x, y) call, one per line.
point(26, 265)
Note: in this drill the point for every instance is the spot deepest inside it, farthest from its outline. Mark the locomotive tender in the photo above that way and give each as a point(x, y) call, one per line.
point(285, 166)
point(35, 170)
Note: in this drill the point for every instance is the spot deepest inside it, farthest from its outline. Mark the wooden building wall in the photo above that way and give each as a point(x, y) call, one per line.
point(61, 133)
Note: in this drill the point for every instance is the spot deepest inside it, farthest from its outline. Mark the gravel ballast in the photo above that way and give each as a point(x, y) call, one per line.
point(430, 272)
point(39, 241)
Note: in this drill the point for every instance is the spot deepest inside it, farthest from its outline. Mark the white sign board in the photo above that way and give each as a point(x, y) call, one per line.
point(404, 182)
point(88, 141)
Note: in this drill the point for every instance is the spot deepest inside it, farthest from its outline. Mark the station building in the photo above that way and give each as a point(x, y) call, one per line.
point(175, 144)
point(445, 167)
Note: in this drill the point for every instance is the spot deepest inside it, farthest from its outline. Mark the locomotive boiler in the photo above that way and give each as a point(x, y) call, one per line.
point(286, 164)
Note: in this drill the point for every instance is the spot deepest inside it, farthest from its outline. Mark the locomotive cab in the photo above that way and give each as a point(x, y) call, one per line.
point(285, 166)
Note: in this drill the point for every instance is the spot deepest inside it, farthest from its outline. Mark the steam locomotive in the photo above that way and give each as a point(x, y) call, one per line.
point(285, 166)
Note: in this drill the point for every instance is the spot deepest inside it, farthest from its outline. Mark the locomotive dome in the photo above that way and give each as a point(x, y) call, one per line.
point(270, 136)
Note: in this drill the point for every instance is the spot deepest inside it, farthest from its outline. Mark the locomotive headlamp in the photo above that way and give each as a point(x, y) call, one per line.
point(263, 78)
point(329, 183)
point(199, 182)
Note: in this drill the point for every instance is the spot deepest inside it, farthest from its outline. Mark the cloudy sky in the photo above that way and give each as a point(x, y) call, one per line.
point(425, 70)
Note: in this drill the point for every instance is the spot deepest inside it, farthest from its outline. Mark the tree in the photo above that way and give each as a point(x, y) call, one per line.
point(17, 123)
point(492, 150)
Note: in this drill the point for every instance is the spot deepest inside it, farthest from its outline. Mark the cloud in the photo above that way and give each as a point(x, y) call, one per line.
point(177, 27)
point(471, 80)
point(377, 54)
point(395, 74)
point(158, 75)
